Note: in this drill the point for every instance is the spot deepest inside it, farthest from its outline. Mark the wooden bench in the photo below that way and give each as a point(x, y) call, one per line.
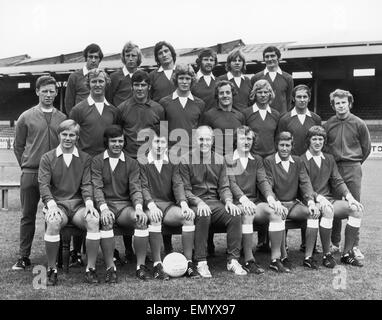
point(70, 230)
point(7, 185)
point(4, 192)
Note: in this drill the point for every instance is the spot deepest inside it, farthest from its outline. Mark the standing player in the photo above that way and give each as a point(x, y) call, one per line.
point(225, 118)
point(299, 119)
point(235, 67)
point(289, 179)
point(208, 192)
point(36, 134)
point(139, 113)
point(262, 119)
point(77, 90)
point(182, 110)
point(324, 175)
point(281, 81)
point(349, 142)
point(66, 190)
point(118, 195)
point(95, 113)
point(165, 199)
point(120, 81)
point(204, 86)
point(247, 178)
point(161, 79)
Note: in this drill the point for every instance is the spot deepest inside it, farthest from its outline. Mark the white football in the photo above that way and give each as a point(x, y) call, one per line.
point(175, 264)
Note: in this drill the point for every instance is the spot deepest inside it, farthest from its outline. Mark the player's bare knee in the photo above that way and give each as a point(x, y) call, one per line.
point(92, 224)
point(328, 214)
point(247, 219)
point(356, 214)
point(188, 222)
point(53, 227)
point(106, 227)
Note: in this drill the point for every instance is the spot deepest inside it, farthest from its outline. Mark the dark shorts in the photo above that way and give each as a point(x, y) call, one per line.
point(165, 206)
point(291, 204)
point(70, 207)
point(118, 206)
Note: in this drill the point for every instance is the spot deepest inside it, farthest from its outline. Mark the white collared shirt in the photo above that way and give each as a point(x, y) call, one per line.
point(113, 161)
point(67, 156)
point(99, 105)
point(85, 70)
point(207, 78)
point(285, 163)
point(262, 112)
point(157, 162)
point(300, 117)
point(243, 160)
point(126, 72)
point(182, 100)
point(317, 159)
point(272, 74)
point(168, 73)
point(236, 79)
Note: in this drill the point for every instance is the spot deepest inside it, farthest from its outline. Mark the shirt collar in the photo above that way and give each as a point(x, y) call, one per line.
point(278, 159)
point(85, 70)
point(199, 75)
point(236, 156)
point(59, 151)
point(279, 71)
point(230, 75)
point(256, 108)
point(151, 159)
point(121, 156)
point(175, 95)
point(310, 156)
point(126, 72)
point(91, 101)
point(294, 113)
point(160, 69)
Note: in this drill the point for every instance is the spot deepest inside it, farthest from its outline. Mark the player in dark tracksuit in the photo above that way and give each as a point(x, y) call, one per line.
point(349, 142)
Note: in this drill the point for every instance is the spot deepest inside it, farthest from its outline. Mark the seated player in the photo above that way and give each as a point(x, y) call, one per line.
point(289, 179)
point(164, 196)
point(326, 181)
point(66, 190)
point(118, 195)
point(208, 191)
point(247, 177)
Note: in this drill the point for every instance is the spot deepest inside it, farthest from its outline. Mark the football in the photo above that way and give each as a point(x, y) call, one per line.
point(175, 264)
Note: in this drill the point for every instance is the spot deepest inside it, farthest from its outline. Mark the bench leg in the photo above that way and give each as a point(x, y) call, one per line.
point(65, 252)
point(4, 199)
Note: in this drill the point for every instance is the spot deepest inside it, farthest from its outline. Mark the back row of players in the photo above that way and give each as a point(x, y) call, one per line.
point(207, 189)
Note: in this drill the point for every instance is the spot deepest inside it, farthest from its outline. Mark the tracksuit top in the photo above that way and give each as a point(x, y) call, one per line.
point(241, 99)
point(204, 92)
point(76, 90)
point(348, 140)
point(120, 88)
point(160, 85)
point(35, 136)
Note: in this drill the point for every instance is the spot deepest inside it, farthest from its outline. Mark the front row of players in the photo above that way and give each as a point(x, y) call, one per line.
point(204, 189)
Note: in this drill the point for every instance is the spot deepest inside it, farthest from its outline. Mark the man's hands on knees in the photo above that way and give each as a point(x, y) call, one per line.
point(187, 213)
point(89, 209)
point(353, 203)
point(140, 216)
point(107, 217)
point(203, 209)
point(155, 214)
point(313, 210)
point(231, 208)
point(280, 210)
point(249, 208)
point(53, 215)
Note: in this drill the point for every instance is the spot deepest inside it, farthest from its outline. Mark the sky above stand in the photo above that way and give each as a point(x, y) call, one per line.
point(43, 28)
